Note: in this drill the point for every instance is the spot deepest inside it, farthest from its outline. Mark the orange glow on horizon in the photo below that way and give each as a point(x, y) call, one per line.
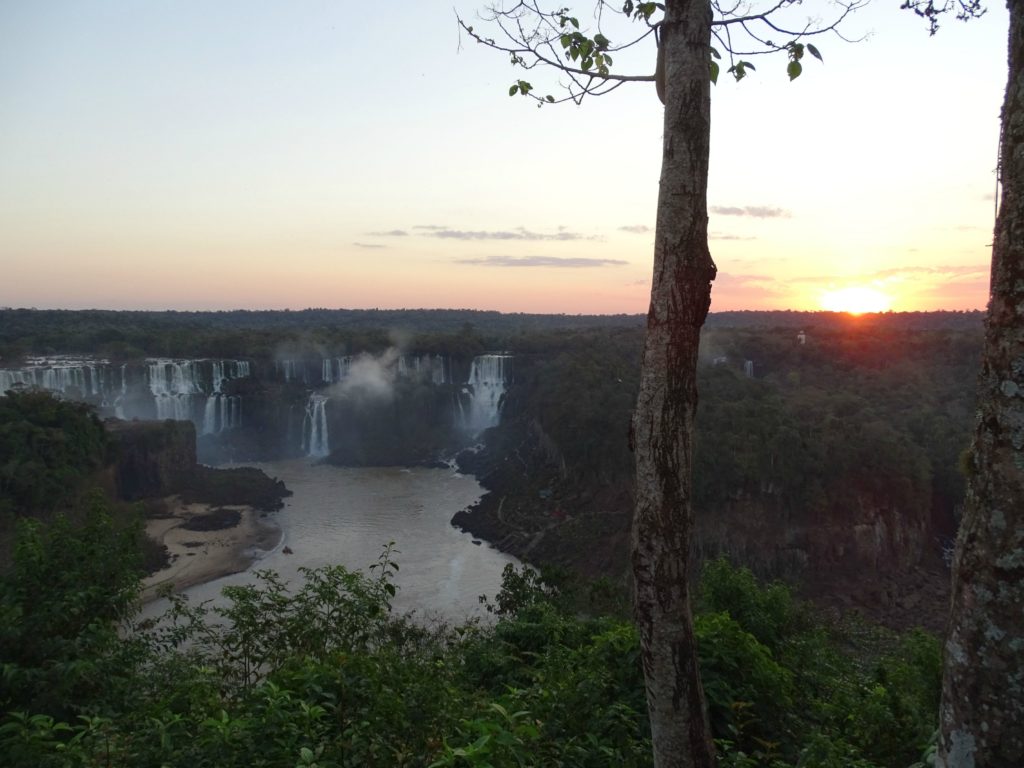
point(856, 300)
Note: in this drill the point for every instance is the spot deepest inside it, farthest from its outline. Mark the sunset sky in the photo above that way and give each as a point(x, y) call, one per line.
point(326, 153)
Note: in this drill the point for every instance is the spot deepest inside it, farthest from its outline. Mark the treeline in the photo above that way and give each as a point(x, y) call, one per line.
point(241, 333)
point(324, 674)
point(125, 335)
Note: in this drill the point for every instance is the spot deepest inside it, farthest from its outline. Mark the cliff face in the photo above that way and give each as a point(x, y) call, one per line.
point(152, 458)
point(867, 552)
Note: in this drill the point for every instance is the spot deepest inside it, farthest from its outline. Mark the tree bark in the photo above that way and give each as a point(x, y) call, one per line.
point(982, 711)
point(663, 421)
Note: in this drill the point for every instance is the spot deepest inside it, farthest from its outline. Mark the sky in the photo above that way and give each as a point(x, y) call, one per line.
point(324, 153)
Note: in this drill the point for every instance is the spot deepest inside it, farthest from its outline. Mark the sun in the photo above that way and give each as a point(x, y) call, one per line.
point(856, 300)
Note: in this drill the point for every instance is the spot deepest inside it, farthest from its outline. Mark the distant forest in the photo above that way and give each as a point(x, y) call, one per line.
point(130, 334)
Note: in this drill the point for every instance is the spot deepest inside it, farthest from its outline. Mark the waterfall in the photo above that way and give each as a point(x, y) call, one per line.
point(335, 369)
point(210, 415)
point(487, 378)
point(172, 383)
point(218, 376)
point(222, 412)
point(119, 400)
point(314, 427)
point(293, 370)
point(79, 378)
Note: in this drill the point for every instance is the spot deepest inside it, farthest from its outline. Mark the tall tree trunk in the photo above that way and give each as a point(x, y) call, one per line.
point(982, 712)
point(663, 421)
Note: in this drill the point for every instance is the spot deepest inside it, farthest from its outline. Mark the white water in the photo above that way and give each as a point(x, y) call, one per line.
point(346, 515)
point(488, 376)
point(315, 440)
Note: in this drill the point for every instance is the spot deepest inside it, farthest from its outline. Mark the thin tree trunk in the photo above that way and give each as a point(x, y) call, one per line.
point(982, 712)
point(663, 421)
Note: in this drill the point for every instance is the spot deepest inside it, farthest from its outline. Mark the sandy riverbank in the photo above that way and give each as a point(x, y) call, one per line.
point(205, 542)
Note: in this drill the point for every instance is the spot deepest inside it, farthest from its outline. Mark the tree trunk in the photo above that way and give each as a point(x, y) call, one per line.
point(663, 422)
point(982, 712)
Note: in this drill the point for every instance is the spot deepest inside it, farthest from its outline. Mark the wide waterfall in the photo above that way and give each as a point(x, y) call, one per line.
point(488, 376)
point(315, 440)
point(184, 390)
point(70, 377)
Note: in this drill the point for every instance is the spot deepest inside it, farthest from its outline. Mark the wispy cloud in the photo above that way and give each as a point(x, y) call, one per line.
point(519, 233)
point(754, 211)
point(636, 229)
point(578, 262)
point(369, 245)
point(724, 236)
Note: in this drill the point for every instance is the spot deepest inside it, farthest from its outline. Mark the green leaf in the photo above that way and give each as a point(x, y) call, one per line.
point(565, 40)
point(815, 53)
point(512, 91)
point(714, 52)
point(714, 72)
point(601, 41)
point(586, 63)
point(550, 99)
point(794, 69)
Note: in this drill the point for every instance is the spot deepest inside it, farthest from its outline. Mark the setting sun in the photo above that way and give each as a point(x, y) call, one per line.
point(856, 300)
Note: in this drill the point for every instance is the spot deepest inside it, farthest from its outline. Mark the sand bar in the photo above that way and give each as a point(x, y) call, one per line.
point(204, 542)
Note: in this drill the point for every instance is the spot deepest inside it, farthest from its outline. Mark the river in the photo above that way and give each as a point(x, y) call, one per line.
point(340, 515)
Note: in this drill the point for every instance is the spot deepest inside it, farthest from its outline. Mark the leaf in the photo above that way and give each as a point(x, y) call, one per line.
point(550, 99)
point(601, 41)
point(715, 53)
point(512, 90)
point(714, 72)
point(794, 69)
point(815, 53)
point(565, 40)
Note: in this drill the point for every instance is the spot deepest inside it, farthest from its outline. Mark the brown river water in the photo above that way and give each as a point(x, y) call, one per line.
point(340, 515)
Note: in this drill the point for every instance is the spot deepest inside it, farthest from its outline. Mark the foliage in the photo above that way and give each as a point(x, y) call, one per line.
point(48, 447)
point(60, 603)
point(324, 674)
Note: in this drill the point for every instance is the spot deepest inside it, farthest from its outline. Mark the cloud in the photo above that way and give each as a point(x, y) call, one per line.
point(369, 245)
point(519, 233)
point(429, 226)
point(754, 211)
point(578, 262)
point(723, 236)
point(389, 233)
point(946, 272)
point(636, 229)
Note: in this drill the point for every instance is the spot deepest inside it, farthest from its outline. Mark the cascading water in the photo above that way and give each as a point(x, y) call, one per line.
point(173, 383)
point(488, 376)
point(315, 440)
